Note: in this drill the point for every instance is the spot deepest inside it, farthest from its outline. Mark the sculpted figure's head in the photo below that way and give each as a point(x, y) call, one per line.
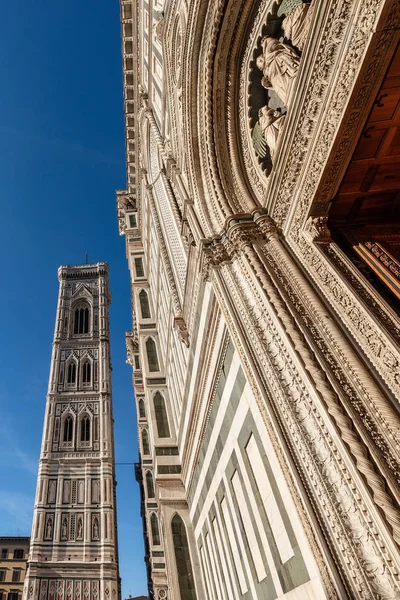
point(267, 115)
point(260, 62)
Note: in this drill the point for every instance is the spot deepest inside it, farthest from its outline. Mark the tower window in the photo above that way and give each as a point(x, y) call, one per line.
point(155, 532)
point(142, 412)
point(68, 429)
point(81, 320)
point(86, 372)
point(71, 373)
point(161, 416)
point(139, 267)
point(145, 442)
point(144, 305)
point(152, 355)
point(182, 558)
point(132, 220)
point(85, 429)
point(150, 485)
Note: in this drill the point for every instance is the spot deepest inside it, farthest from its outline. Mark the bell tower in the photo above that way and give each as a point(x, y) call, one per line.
point(74, 552)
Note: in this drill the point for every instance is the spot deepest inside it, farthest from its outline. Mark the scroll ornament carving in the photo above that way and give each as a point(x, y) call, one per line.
point(326, 475)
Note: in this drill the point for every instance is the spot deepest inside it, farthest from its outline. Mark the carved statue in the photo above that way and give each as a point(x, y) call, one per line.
point(80, 529)
point(279, 64)
point(296, 24)
point(95, 529)
point(271, 122)
point(64, 530)
point(49, 528)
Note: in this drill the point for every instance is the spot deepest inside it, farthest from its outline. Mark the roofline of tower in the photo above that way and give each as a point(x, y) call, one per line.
point(82, 271)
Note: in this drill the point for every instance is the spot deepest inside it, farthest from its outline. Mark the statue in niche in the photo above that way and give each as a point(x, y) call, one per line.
point(296, 23)
point(95, 529)
point(270, 122)
point(80, 529)
point(67, 487)
point(49, 528)
point(64, 529)
point(52, 491)
point(279, 64)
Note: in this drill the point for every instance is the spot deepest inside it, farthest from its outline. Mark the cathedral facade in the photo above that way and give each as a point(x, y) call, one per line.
point(261, 219)
point(73, 551)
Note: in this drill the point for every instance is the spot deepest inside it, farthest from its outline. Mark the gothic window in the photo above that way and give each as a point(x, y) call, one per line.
point(155, 532)
point(152, 355)
point(182, 559)
point(145, 442)
point(68, 429)
point(139, 268)
point(142, 412)
point(144, 305)
point(85, 429)
point(137, 362)
point(81, 320)
point(86, 372)
point(161, 416)
point(150, 485)
point(71, 373)
point(132, 222)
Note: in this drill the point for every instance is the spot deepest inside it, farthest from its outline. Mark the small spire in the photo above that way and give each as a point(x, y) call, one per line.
point(86, 258)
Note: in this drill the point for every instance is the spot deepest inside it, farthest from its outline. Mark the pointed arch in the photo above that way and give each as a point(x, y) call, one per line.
point(152, 357)
point(84, 428)
point(71, 372)
point(81, 318)
point(144, 304)
point(145, 442)
point(161, 416)
point(86, 372)
point(150, 485)
point(68, 429)
point(182, 559)
point(142, 411)
point(155, 531)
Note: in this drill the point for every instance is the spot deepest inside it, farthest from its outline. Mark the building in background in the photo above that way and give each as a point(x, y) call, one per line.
point(261, 219)
point(13, 557)
point(73, 551)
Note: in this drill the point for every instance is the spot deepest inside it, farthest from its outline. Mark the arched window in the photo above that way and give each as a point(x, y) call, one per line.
point(142, 412)
point(155, 532)
point(71, 372)
point(145, 442)
point(161, 416)
point(152, 355)
point(68, 429)
point(150, 485)
point(86, 372)
point(81, 320)
point(182, 559)
point(144, 305)
point(85, 429)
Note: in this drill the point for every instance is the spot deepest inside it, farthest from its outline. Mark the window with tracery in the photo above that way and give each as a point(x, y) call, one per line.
point(152, 355)
point(182, 558)
point(71, 373)
point(81, 320)
point(142, 412)
point(68, 429)
point(144, 304)
point(150, 485)
point(161, 416)
point(85, 429)
point(145, 442)
point(86, 372)
point(155, 532)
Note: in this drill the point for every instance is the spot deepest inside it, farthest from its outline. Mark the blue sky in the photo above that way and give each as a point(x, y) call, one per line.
point(62, 156)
